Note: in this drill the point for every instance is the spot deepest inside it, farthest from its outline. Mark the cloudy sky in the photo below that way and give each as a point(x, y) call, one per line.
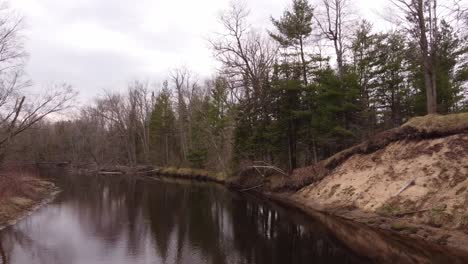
point(104, 44)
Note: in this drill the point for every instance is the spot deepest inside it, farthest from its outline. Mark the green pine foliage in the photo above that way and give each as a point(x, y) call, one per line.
point(163, 130)
point(304, 109)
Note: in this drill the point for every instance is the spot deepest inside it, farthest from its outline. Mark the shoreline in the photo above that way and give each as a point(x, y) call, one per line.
point(404, 227)
point(452, 240)
point(14, 209)
point(449, 239)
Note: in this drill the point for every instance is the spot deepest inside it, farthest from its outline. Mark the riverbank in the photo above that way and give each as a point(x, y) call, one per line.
point(192, 174)
point(361, 235)
point(411, 180)
point(22, 194)
point(151, 171)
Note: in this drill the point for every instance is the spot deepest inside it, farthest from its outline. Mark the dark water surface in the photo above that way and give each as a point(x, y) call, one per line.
point(122, 220)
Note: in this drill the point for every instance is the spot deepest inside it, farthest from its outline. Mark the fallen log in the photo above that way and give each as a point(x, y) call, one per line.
point(110, 173)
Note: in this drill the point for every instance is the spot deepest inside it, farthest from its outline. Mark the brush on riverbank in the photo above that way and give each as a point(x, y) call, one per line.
point(20, 193)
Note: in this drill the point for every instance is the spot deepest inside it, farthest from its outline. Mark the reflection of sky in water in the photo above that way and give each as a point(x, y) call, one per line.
point(71, 231)
point(57, 232)
point(118, 221)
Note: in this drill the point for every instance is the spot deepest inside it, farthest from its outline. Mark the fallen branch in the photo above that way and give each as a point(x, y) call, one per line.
point(251, 188)
point(407, 185)
point(413, 212)
point(268, 165)
point(110, 173)
point(256, 168)
point(271, 167)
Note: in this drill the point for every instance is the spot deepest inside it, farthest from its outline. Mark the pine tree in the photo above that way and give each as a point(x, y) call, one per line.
point(294, 28)
point(394, 94)
point(163, 130)
point(449, 73)
point(198, 149)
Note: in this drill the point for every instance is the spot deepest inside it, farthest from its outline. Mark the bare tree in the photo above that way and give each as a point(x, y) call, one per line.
point(128, 115)
point(18, 114)
point(17, 111)
point(141, 105)
point(246, 55)
point(334, 20)
point(181, 79)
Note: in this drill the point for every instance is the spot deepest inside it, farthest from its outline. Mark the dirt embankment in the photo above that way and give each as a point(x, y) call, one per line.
point(21, 193)
point(412, 179)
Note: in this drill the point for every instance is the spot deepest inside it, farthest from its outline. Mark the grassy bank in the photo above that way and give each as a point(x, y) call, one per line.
point(21, 193)
point(193, 174)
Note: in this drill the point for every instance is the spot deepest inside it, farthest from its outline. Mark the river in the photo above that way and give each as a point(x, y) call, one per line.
point(118, 219)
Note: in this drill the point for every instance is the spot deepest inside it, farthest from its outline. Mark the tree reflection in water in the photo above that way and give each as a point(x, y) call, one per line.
point(127, 220)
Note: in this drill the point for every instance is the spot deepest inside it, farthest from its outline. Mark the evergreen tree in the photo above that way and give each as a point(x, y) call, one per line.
point(287, 88)
point(394, 95)
point(450, 74)
point(364, 61)
point(294, 28)
point(163, 130)
point(198, 149)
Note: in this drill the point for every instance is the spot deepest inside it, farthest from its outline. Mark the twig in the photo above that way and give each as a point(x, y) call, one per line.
point(413, 212)
point(271, 167)
point(251, 188)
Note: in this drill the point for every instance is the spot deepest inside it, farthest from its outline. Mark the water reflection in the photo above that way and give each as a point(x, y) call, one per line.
point(123, 220)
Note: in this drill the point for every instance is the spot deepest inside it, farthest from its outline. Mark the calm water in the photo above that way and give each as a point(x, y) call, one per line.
point(120, 220)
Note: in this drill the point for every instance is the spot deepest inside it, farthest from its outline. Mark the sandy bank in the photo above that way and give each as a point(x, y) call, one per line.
point(412, 180)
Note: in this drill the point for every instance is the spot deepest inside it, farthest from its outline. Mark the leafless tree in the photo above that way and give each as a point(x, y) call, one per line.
point(140, 100)
point(181, 79)
point(246, 55)
point(334, 19)
point(128, 116)
point(18, 114)
point(20, 110)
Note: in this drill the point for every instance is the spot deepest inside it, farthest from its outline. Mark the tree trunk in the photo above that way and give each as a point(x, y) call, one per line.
point(304, 65)
point(430, 83)
point(292, 146)
point(427, 60)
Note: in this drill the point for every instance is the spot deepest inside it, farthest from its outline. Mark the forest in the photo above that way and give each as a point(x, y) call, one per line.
point(321, 79)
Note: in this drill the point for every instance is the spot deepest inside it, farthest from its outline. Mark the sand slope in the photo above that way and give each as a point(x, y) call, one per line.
point(371, 182)
point(428, 155)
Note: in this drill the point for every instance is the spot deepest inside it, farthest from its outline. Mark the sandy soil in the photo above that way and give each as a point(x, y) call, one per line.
point(370, 188)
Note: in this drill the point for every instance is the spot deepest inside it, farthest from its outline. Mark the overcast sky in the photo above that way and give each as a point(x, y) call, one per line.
point(104, 44)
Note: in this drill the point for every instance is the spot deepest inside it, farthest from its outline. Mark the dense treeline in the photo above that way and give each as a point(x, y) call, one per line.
point(319, 81)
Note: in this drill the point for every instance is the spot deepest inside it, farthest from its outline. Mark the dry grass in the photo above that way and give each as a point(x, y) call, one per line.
point(20, 186)
point(439, 123)
point(189, 173)
point(19, 192)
